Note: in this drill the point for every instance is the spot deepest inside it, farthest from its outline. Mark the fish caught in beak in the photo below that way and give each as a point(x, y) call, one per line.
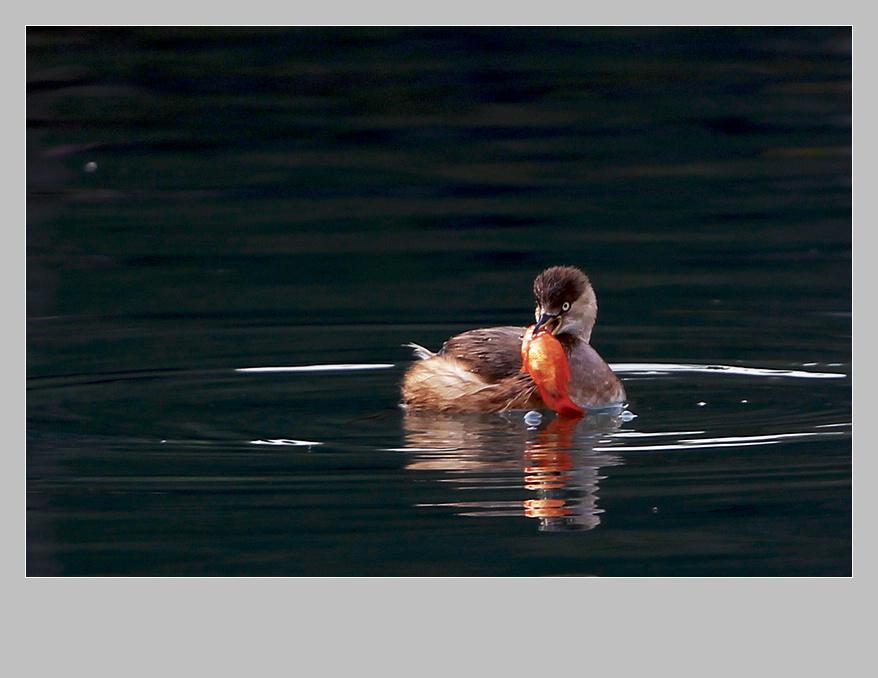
point(543, 358)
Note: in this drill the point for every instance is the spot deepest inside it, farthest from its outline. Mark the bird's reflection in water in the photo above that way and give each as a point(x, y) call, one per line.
point(556, 459)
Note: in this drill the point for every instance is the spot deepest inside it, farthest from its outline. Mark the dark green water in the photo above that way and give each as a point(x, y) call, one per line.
point(201, 203)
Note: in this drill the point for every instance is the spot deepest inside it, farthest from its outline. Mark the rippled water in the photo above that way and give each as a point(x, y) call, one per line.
point(233, 234)
point(721, 470)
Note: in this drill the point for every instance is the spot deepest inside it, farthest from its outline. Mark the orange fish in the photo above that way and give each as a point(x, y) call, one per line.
point(543, 358)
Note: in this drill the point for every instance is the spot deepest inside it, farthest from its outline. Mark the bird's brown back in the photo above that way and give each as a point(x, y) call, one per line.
point(494, 353)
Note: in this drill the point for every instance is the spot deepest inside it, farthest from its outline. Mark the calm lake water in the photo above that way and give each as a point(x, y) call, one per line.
point(232, 233)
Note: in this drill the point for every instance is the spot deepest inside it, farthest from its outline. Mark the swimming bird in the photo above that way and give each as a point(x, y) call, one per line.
point(482, 371)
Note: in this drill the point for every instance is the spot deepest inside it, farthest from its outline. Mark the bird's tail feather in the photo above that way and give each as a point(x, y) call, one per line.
point(420, 352)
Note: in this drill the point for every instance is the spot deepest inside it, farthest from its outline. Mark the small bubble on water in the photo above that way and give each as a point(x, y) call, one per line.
point(533, 418)
point(701, 403)
point(627, 416)
point(655, 509)
point(744, 401)
point(90, 167)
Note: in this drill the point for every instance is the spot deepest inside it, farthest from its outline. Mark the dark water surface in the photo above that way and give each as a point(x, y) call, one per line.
point(232, 233)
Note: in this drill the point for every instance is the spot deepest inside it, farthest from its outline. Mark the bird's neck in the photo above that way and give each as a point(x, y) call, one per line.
point(570, 341)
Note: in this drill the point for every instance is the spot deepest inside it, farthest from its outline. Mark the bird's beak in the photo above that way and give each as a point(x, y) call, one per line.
point(548, 320)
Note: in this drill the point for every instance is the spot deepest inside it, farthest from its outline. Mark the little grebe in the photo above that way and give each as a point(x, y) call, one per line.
point(481, 370)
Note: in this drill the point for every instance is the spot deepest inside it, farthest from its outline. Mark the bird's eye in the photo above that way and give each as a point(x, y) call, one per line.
point(565, 306)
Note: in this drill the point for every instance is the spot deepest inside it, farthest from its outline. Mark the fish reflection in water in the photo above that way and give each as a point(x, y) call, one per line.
point(555, 462)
